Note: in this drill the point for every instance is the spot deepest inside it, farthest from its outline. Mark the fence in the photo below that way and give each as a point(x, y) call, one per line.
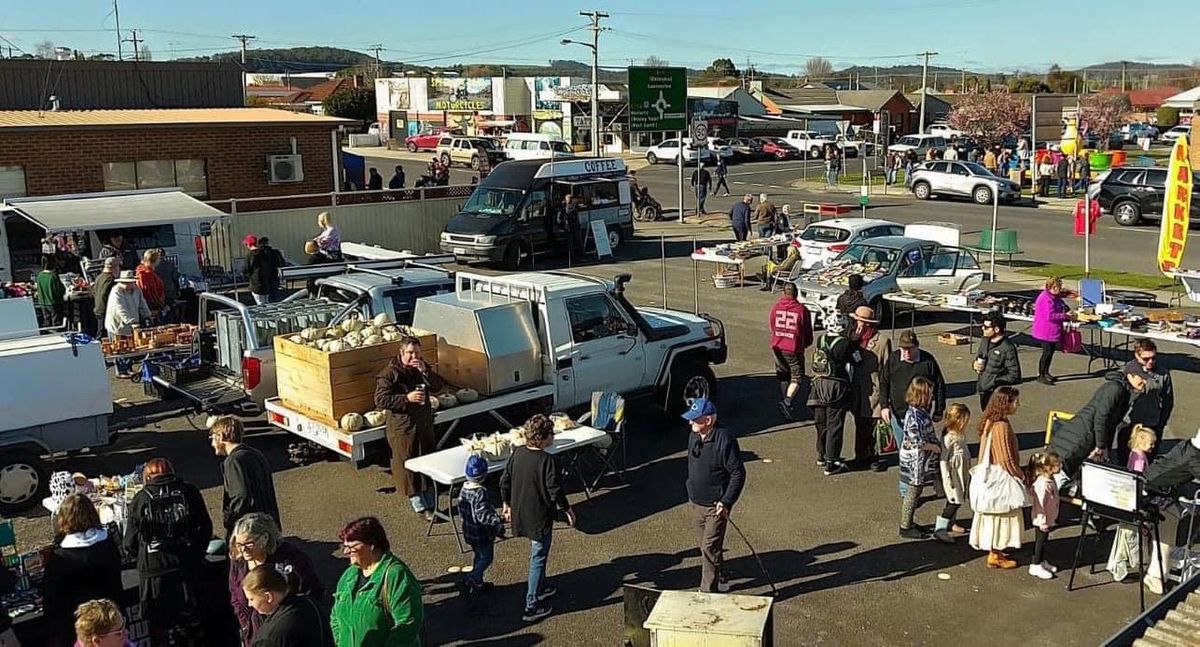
point(403, 219)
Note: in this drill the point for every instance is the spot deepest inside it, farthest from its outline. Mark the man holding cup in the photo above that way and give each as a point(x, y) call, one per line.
point(402, 389)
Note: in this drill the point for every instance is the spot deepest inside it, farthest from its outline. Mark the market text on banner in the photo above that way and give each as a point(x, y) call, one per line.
point(1173, 235)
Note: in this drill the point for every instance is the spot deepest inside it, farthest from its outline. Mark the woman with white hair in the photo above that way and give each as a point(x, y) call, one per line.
point(256, 541)
point(327, 246)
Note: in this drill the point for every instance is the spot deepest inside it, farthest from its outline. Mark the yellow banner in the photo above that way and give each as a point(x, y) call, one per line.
point(1176, 205)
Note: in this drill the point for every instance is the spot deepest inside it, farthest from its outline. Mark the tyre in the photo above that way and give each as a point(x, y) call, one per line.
point(690, 381)
point(1127, 213)
point(882, 312)
point(412, 147)
point(814, 152)
point(446, 159)
point(921, 190)
point(515, 255)
point(651, 158)
point(475, 162)
point(982, 195)
point(615, 238)
point(24, 480)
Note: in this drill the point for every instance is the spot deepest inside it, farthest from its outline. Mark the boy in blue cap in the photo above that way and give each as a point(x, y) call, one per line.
point(481, 525)
point(715, 480)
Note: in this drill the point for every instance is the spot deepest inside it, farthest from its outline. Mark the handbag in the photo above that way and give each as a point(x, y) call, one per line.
point(993, 490)
point(1072, 340)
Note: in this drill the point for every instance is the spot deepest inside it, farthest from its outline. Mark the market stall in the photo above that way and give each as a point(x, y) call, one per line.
point(730, 258)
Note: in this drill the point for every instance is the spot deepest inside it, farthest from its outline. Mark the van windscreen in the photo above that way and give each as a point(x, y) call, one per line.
point(493, 202)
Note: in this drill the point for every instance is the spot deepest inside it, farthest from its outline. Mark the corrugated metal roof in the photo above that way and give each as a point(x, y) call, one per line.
point(28, 84)
point(179, 117)
point(872, 100)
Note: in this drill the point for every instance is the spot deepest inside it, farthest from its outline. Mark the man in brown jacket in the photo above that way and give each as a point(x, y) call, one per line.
point(764, 216)
point(402, 389)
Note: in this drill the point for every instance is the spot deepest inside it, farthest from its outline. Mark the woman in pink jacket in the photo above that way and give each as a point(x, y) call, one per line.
point(1049, 313)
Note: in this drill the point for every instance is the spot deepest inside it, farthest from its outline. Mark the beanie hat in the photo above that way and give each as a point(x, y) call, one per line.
point(477, 468)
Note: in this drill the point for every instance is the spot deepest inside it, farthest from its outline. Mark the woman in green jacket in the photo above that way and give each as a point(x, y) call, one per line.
point(378, 600)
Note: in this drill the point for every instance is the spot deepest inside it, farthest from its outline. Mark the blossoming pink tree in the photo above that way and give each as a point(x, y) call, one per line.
point(990, 116)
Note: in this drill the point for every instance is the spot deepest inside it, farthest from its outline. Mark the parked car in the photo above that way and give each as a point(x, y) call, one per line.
point(1132, 194)
point(1174, 133)
point(779, 148)
point(1135, 131)
point(465, 150)
point(962, 179)
point(944, 130)
point(669, 151)
point(720, 147)
point(746, 148)
point(821, 242)
point(899, 263)
point(427, 140)
point(811, 142)
point(530, 146)
point(919, 144)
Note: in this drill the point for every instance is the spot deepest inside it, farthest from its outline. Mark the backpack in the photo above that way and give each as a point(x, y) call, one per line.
point(822, 366)
point(165, 518)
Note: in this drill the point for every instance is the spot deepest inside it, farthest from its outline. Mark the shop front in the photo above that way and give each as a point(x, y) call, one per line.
point(576, 101)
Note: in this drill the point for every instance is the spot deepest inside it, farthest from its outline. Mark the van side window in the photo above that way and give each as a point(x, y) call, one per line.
point(536, 208)
point(600, 194)
point(594, 316)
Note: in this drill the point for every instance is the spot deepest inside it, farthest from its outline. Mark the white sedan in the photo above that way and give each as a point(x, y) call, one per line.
point(821, 242)
point(668, 151)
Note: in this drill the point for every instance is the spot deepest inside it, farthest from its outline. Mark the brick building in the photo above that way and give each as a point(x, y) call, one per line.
point(213, 154)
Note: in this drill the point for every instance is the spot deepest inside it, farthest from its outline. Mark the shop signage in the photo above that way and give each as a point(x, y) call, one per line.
point(573, 93)
point(544, 95)
point(1174, 229)
point(466, 95)
point(581, 121)
point(721, 115)
point(547, 115)
point(577, 167)
point(657, 99)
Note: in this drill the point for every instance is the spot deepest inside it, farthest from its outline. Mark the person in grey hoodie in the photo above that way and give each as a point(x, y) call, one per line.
point(996, 363)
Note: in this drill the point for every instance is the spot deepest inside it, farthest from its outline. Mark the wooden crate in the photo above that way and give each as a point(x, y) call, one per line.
point(953, 339)
point(327, 386)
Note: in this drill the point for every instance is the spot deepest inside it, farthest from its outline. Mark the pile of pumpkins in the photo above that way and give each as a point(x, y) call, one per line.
point(356, 421)
point(351, 333)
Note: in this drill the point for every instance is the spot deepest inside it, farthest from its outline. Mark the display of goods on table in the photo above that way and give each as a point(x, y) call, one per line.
point(329, 373)
point(500, 445)
point(746, 248)
point(28, 572)
point(838, 273)
point(150, 338)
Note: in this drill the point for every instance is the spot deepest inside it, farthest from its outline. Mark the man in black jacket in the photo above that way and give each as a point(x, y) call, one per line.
point(397, 181)
point(532, 497)
point(898, 371)
point(1154, 406)
point(262, 269)
point(715, 480)
point(1174, 473)
point(996, 363)
point(1091, 433)
point(852, 298)
point(249, 486)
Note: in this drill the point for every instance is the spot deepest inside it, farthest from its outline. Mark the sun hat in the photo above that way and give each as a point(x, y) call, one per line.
point(864, 314)
point(127, 276)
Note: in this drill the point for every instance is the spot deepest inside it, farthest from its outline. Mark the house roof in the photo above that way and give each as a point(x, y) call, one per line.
point(815, 94)
point(1185, 99)
point(33, 119)
point(323, 90)
point(1147, 98)
point(712, 91)
point(872, 100)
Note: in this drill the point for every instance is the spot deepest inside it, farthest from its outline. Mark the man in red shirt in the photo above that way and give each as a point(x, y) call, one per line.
point(791, 335)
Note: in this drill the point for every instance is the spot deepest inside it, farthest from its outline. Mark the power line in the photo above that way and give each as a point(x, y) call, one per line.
point(135, 40)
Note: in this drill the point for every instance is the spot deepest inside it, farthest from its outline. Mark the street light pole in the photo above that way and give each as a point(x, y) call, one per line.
point(924, 86)
point(595, 16)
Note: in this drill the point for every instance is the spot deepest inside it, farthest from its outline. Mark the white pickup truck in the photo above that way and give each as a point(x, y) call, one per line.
point(813, 143)
point(589, 338)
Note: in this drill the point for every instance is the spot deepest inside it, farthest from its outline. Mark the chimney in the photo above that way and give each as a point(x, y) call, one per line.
point(358, 81)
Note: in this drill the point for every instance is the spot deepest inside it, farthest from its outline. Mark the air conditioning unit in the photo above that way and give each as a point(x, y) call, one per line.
point(285, 168)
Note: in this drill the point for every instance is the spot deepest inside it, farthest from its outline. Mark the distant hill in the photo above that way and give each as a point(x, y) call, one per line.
point(293, 59)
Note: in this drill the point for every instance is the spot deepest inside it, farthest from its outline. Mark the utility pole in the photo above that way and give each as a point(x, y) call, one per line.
point(962, 85)
point(924, 77)
point(596, 16)
point(117, 16)
point(135, 40)
point(1085, 86)
point(376, 47)
point(245, 38)
point(1124, 64)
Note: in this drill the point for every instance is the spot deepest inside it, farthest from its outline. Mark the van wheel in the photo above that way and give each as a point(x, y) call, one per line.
point(690, 381)
point(1127, 213)
point(651, 158)
point(446, 159)
point(24, 480)
point(615, 237)
point(412, 147)
point(515, 255)
point(921, 190)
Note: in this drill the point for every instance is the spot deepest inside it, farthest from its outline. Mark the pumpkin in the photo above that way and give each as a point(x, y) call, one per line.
point(434, 402)
point(334, 333)
point(372, 340)
point(309, 334)
point(352, 324)
point(351, 421)
point(391, 335)
point(296, 339)
point(335, 346)
point(382, 319)
point(375, 418)
point(448, 400)
point(467, 396)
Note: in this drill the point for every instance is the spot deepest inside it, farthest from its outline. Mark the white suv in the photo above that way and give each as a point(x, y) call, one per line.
point(919, 144)
point(964, 179)
point(1176, 132)
point(668, 151)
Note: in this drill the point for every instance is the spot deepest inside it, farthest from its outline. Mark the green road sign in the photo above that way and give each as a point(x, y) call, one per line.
point(863, 200)
point(657, 99)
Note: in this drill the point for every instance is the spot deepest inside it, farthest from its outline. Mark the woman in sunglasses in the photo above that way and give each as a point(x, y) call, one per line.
point(378, 599)
point(98, 623)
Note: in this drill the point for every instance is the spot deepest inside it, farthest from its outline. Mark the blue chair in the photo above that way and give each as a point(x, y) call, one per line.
point(608, 415)
point(1092, 292)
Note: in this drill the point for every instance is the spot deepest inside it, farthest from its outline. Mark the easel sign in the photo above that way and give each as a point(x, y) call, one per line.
point(1110, 486)
point(600, 235)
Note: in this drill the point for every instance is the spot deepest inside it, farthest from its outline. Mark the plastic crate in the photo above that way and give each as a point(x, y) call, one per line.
point(182, 374)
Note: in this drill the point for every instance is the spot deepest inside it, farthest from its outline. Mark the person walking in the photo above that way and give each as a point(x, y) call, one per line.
point(830, 396)
point(791, 335)
point(890, 162)
point(481, 525)
point(1050, 312)
point(263, 263)
point(374, 180)
point(290, 619)
point(999, 532)
point(246, 475)
point(85, 564)
point(996, 363)
point(910, 165)
point(378, 599)
point(722, 171)
point(902, 366)
point(954, 465)
point(1083, 174)
point(739, 218)
point(532, 494)
point(125, 309)
point(1092, 432)
point(397, 181)
point(830, 168)
point(1062, 171)
point(101, 288)
point(257, 542)
point(874, 350)
point(402, 389)
point(169, 529)
point(715, 479)
point(1152, 408)
point(701, 184)
point(919, 450)
point(765, 216)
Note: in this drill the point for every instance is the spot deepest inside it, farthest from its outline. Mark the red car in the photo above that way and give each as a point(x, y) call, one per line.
point(425, 141)
point(778, 148)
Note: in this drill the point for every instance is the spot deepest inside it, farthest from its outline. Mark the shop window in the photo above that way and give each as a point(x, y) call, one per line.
point(189, 175)
point(12, 182)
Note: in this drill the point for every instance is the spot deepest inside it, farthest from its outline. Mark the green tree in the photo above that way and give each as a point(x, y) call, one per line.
point(352, 103)
point(722, 67)
point(1166, 117)
point(1062, 81)
point(1027, 83)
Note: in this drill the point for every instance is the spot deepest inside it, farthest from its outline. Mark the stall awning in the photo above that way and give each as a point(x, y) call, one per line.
point(113, 210)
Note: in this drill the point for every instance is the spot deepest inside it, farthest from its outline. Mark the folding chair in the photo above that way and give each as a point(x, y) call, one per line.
point(1092, 292)
point(608, 415)
point(778, 277)
point(1189, 286)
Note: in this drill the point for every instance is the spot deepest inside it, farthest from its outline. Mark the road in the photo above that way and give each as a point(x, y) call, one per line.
point(829, 544)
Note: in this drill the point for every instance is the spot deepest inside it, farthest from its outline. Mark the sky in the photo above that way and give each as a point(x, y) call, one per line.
point(774, 35)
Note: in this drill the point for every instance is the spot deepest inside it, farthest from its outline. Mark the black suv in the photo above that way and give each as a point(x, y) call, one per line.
point(1131, 193)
